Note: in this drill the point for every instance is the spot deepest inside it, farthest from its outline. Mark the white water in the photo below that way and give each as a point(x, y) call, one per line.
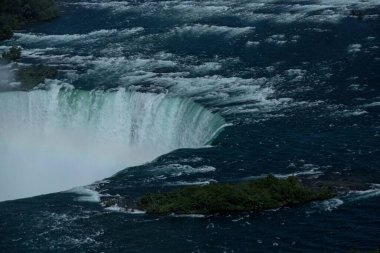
point(57, 139)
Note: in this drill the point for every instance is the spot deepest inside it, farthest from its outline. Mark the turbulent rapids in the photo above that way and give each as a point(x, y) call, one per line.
point(297, 81)
point(51, 140)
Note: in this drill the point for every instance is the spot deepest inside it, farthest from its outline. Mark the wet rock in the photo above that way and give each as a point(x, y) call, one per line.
point(109, 201)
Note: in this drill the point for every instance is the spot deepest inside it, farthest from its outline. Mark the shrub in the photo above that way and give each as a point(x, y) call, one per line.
point(258, 195)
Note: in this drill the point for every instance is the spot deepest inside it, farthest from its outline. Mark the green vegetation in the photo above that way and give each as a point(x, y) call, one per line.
point(15, 14)
point(258, 195)
point(13, 54)
point(31, 76)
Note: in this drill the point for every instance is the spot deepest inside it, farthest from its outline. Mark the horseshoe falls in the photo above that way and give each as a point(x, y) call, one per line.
point(152, 96)
point(53, 140)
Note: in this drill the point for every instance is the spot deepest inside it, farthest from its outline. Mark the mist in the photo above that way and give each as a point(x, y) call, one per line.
point(34, 164)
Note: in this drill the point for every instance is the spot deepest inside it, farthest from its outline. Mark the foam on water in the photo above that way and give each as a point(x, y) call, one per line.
point(59, 138)
point(360, 195)
point(309, 170)
point(179, 169)
point(199, 30)
point(186, 183)
point(61, 39)
point(373, 104)
point(189, 215)
point(86, 194)
point(321, 11)
point(331, 204)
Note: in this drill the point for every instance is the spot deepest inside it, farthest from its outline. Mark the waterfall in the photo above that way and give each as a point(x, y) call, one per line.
point(55, 139)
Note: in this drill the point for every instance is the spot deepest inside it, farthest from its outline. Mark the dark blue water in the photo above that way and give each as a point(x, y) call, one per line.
point(298, 81)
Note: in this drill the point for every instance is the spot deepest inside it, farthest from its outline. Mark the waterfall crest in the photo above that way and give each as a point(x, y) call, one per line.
point(55, 139)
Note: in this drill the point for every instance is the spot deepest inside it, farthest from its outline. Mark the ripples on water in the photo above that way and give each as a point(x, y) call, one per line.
point(297, 80)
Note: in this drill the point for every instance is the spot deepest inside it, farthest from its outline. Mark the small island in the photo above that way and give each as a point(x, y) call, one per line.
point(257, 195)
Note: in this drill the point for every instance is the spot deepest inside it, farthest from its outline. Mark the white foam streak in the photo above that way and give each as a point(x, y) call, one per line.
point(86, 194)
point(86, 38)
point(359, 195)
point(198, 29)
point(331, 204)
